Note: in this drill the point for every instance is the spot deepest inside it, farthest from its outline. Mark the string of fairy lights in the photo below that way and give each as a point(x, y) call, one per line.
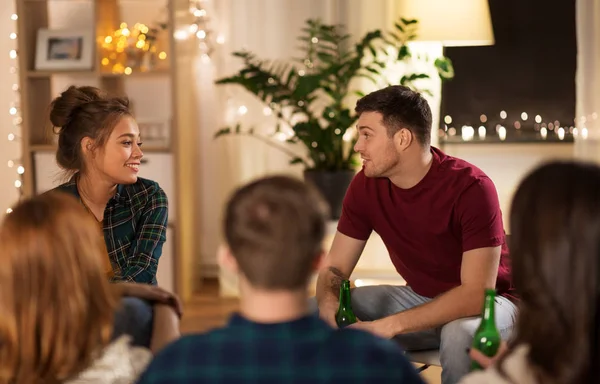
point(542, 130)
point(200, 28)
point(14, 108)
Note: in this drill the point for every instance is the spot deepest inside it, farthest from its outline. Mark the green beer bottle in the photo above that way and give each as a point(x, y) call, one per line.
point(487, 338)
point(344, 315)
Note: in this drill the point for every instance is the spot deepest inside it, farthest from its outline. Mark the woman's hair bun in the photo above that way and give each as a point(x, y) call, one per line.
point(64, 106)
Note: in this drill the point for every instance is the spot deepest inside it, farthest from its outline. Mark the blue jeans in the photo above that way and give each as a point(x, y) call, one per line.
point(452, 339)
point(134, 317)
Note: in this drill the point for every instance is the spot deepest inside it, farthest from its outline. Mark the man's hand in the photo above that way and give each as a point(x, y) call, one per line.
point(327, 311)
point(151, 293)
point(376, 327)
point(485, 361)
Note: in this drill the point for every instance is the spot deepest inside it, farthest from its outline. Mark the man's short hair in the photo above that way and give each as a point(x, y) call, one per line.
point(401, 107)
point(274, 227)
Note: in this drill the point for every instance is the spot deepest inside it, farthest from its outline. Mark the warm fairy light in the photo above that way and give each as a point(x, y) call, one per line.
point(13, 110)
point(481, 131)
point(162, 55)
point(584, 133)
point(137, 43)
point(502, 133)
point(127, 71)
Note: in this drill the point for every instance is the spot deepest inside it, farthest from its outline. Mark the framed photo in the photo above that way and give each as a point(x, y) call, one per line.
point(155, 132)
point(65, 50)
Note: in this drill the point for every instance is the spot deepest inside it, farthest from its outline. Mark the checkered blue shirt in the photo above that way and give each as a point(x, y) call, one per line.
point(306, 350)
point(135, 228)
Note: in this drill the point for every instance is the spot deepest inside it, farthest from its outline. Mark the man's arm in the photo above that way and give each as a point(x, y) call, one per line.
point(337, 266)
point(479, 271)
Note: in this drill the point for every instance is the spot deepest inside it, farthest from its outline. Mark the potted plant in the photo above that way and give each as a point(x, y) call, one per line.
point(308, 95)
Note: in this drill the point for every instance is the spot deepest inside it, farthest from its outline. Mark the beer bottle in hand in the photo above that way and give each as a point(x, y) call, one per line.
point(345, 315)
point(487, 338)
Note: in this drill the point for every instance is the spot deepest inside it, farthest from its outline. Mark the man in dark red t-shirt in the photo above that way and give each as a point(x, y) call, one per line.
point(440, 220)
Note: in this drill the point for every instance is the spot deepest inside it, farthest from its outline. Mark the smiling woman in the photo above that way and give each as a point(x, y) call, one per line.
point(99, 145)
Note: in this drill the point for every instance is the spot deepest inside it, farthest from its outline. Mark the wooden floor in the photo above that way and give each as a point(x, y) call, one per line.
point(207, 310)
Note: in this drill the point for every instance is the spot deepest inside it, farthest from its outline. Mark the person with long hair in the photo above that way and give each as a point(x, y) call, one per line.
point(99, 148)
point(555, 247)
point(99, 144)
point(57, 307)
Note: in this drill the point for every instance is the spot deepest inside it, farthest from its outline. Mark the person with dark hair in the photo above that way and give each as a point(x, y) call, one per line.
point(274, 229)
point(99, 146)
point(440, 220)
point(99, 143)
point(555, 252)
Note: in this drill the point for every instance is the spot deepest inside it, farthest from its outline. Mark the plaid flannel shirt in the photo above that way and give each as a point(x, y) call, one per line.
point(306, 350)
point(135, 228)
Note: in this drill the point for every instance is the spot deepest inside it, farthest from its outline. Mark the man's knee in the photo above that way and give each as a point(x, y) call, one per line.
point(373, 302)
point(459, 333)
point(456, 337)
point(134, 317)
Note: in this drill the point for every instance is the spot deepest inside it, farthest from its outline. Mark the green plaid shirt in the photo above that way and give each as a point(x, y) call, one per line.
point(135, 228)
point(306, 350)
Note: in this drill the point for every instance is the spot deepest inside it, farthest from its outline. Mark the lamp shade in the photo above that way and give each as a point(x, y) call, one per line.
point(452, 22)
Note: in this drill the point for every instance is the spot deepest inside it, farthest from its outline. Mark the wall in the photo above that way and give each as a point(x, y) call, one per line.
point(8, 150)
point(506, 164)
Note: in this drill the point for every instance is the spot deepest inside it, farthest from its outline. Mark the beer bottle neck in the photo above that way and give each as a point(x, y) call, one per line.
point(488, 307)
point(345, 294)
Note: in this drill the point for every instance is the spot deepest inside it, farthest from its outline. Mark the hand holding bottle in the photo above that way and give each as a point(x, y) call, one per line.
point(485, 361)
point(344, 315)
point(487, 339)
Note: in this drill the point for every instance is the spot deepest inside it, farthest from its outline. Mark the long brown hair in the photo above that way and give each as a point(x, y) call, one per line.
point(555, 248)
point(56, 305)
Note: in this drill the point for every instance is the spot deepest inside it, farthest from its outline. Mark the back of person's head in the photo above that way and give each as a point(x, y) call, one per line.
point(81, 112)
point(401, 107)
point(555, 251)
point(274, 228)
point(56, 305)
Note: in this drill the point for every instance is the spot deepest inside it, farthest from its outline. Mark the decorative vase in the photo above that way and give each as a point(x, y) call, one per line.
point(332, 185)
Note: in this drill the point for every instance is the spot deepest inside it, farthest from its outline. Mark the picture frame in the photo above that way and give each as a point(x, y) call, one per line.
point(65, 49)
point(155, 132)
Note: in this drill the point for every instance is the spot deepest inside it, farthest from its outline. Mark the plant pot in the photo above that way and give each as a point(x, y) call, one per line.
point(332, 185)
